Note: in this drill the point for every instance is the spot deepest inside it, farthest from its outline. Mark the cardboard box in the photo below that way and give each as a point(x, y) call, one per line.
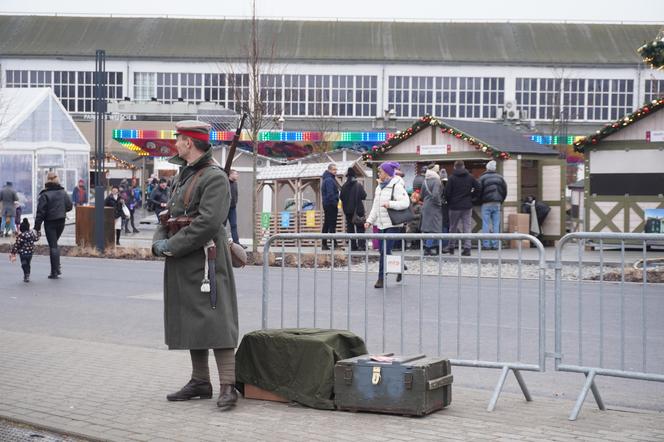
point(254, 392)
point(514, 244)
point(518, 222)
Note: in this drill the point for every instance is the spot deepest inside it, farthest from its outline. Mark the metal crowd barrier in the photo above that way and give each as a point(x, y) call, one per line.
point(449, 310)
point(604, 327)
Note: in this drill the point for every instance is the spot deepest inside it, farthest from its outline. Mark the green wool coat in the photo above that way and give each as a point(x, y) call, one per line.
point(189, 320)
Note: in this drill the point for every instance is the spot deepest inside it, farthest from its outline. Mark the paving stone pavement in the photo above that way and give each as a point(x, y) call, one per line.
point(117, 393)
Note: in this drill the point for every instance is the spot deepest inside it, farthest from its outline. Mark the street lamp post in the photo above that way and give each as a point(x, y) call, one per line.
point(100, 120)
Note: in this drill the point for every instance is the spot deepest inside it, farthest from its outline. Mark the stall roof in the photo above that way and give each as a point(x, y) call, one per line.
point(495, 139)
point(501, 137)
point(310, 170)
point(643, 112)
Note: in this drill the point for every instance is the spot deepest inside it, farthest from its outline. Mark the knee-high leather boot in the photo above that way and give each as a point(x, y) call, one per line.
point(55, 263)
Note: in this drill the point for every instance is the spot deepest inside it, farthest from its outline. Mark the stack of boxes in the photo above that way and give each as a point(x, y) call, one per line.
point(518, 223)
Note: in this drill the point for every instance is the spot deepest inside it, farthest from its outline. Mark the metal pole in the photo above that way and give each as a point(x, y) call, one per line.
point(100, 115)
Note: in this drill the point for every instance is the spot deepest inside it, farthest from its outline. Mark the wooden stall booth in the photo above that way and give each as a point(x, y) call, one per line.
point(529, 169)
point(624, 170)
point(296, 203)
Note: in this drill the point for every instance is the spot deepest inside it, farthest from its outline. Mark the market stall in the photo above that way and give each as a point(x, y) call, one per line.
point(624, 165)
point(296, 205)
point(529, 168)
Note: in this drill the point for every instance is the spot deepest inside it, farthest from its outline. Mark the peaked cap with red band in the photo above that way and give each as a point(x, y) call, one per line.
point(198, 130)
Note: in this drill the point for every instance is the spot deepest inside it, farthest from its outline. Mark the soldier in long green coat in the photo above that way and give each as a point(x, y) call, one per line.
point(191, 320)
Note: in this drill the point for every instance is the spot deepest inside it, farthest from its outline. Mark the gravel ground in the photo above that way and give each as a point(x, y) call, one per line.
point(491, 270)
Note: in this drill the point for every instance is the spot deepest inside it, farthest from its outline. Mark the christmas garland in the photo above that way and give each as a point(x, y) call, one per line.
point(617, 125)
point(428, 121)
point(653, 53)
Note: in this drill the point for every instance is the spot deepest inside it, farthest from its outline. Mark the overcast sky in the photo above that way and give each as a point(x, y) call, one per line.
point(477, 10)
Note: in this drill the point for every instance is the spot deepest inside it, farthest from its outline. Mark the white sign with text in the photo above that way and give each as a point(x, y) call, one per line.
point(393, 264)
point(433, 149)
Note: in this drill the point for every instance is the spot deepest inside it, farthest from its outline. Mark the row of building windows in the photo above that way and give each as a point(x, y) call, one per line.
point(575, 99)
point(74, 88)
point(446, 97)
point(357, 95)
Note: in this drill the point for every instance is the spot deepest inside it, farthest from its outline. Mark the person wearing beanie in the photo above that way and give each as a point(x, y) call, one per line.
point(390, 194)
point(492, 193)
point(352, 195)
point(459, 192)
point(24, 247)
point(52, 207)
point(330, 192)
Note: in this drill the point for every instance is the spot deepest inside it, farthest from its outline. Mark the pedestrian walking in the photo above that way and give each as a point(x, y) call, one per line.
point(352, 197)
point(115, 201)
point(132, 202)
point(8, 200)
point(52, 207)
point(24, 247)
point(390, 194)
point(459, 194)
point(200, 307)
point(330, 191)
point(233, 176)
point(492, 192)
point(159, 197)
point(432, 214)
point(79, 196)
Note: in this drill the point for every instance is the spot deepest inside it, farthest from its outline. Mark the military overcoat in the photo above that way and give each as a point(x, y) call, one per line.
point(189, 320)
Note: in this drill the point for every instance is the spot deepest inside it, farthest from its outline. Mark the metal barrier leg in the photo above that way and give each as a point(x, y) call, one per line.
point(589, 385)
point(522, 384)
point(499, 387)
point(501, 383)
point(598, 398)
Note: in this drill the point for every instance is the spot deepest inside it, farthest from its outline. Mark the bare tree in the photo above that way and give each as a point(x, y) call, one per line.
point(249, 96)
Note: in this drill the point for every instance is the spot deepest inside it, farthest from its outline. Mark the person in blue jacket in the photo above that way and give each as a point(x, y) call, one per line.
point(330, 191)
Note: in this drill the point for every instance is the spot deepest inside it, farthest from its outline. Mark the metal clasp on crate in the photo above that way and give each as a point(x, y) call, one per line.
point(375, 378)
point(408, 380)
point(348, 376)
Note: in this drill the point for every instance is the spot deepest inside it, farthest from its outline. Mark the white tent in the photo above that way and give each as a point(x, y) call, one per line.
point(37, 135)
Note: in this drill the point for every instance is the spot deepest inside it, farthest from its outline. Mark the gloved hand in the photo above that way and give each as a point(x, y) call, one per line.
point(160, 248)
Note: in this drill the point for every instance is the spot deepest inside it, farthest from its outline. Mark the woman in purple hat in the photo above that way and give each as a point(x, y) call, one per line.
point(391, 194)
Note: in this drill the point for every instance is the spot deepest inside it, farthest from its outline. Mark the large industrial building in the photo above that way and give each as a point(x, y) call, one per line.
point(554, 79)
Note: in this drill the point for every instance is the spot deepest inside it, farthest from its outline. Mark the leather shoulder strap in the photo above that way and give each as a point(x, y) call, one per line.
point(192, 185)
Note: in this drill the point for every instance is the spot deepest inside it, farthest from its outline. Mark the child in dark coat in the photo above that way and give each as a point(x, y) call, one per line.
point(24, 247)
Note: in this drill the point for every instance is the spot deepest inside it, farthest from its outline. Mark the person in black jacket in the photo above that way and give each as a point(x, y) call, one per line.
point(159, 197)
point(352, 195)
point(492, 193)
point(115, 201)
point(52, 207)
point(330, 192)
point(459, 194)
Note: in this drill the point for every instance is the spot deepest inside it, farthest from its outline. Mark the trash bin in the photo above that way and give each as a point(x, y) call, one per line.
point(85, 226)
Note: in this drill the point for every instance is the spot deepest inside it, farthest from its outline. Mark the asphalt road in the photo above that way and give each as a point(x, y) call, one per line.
point(120, 302)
